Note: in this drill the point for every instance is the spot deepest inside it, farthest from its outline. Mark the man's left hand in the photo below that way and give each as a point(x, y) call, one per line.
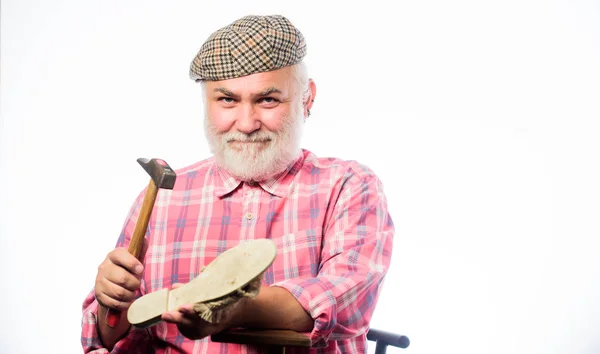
point(191, 325)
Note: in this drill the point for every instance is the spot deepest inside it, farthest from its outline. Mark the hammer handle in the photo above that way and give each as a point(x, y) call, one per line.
point(137, 239)
point(136, 243)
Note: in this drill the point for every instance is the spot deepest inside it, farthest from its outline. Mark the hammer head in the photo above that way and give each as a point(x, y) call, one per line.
point(160, 172)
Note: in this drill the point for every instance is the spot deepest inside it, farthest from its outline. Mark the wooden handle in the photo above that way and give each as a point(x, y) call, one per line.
point(137, 239)
point(113, 317)
point(267, 337)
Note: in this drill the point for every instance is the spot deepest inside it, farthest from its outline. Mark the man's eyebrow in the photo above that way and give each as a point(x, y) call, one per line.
point(269, 91)
point(225, 91)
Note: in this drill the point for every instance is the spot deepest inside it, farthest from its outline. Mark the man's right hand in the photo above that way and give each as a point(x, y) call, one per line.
point(118, 280)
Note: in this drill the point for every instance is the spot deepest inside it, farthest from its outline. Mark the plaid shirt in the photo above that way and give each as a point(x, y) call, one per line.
point(328, 218)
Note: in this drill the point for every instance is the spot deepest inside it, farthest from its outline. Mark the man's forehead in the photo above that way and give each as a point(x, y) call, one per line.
point(237, 92)
point(278, 81)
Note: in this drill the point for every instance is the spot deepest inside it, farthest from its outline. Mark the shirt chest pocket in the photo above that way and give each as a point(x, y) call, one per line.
point(298, 254)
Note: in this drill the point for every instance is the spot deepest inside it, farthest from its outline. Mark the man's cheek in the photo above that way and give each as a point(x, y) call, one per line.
point(222, 120)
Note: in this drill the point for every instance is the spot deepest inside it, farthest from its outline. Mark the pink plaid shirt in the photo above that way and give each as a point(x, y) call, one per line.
point(328, 218)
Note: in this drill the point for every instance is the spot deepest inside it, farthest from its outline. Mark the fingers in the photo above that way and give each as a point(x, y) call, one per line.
point(117, 291)
point(109, 301)
point(122, 258)
point(189, 323)
point(187, 310)
point(174, 317)
point(184, 316)
point(117, 281)
point(113, 295)
point(113, 271)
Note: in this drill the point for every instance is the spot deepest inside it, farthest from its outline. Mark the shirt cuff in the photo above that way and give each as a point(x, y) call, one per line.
point(91, 335)
point(319, 302)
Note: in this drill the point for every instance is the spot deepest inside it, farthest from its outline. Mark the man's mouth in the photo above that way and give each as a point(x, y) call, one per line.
point(251, 144)
point(234, 141)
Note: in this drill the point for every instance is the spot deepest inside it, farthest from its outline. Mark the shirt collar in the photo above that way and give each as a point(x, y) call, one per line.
point(277, 185)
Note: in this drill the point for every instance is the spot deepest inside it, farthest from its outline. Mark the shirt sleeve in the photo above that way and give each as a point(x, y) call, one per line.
point(355, 256)
point(136, 340)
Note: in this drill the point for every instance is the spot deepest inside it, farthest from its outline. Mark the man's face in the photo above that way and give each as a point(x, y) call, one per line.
point(254, 123)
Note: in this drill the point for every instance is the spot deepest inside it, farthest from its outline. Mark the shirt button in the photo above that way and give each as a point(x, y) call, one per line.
point(249, 216)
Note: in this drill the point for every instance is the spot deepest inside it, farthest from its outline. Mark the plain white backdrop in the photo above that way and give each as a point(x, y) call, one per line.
point(482, 118)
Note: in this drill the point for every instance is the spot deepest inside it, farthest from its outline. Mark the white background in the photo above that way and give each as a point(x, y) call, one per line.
point(481, 118)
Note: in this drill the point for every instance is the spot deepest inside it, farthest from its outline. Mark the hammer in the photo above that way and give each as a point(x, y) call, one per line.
point(161, 176)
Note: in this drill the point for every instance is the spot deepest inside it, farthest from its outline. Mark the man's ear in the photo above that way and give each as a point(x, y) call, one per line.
point(310, 100)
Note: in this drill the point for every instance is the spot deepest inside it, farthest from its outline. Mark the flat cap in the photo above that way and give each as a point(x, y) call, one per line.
point(247, 46)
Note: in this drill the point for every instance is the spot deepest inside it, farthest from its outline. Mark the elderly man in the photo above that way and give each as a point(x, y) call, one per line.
point(328, 217)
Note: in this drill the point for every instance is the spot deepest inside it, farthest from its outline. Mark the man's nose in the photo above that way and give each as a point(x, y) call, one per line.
point(247, 121)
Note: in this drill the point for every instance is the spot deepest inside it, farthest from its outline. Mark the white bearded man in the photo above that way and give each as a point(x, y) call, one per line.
point(327, 217)
point(249, 149)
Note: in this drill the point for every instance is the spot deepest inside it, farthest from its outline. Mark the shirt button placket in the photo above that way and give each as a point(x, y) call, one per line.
point(248, 205)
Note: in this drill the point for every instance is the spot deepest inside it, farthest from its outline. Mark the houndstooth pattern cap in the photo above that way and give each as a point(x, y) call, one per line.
point(247, 46)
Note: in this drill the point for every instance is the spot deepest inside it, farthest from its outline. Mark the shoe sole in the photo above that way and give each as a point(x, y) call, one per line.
point(231, 270)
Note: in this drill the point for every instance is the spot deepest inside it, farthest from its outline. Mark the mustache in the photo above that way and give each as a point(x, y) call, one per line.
point(258, 136)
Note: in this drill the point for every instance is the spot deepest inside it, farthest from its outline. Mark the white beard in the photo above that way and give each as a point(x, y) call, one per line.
point(256, 162)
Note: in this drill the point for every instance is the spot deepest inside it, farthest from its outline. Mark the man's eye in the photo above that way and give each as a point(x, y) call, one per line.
point(268, 100)
point(225, 99)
